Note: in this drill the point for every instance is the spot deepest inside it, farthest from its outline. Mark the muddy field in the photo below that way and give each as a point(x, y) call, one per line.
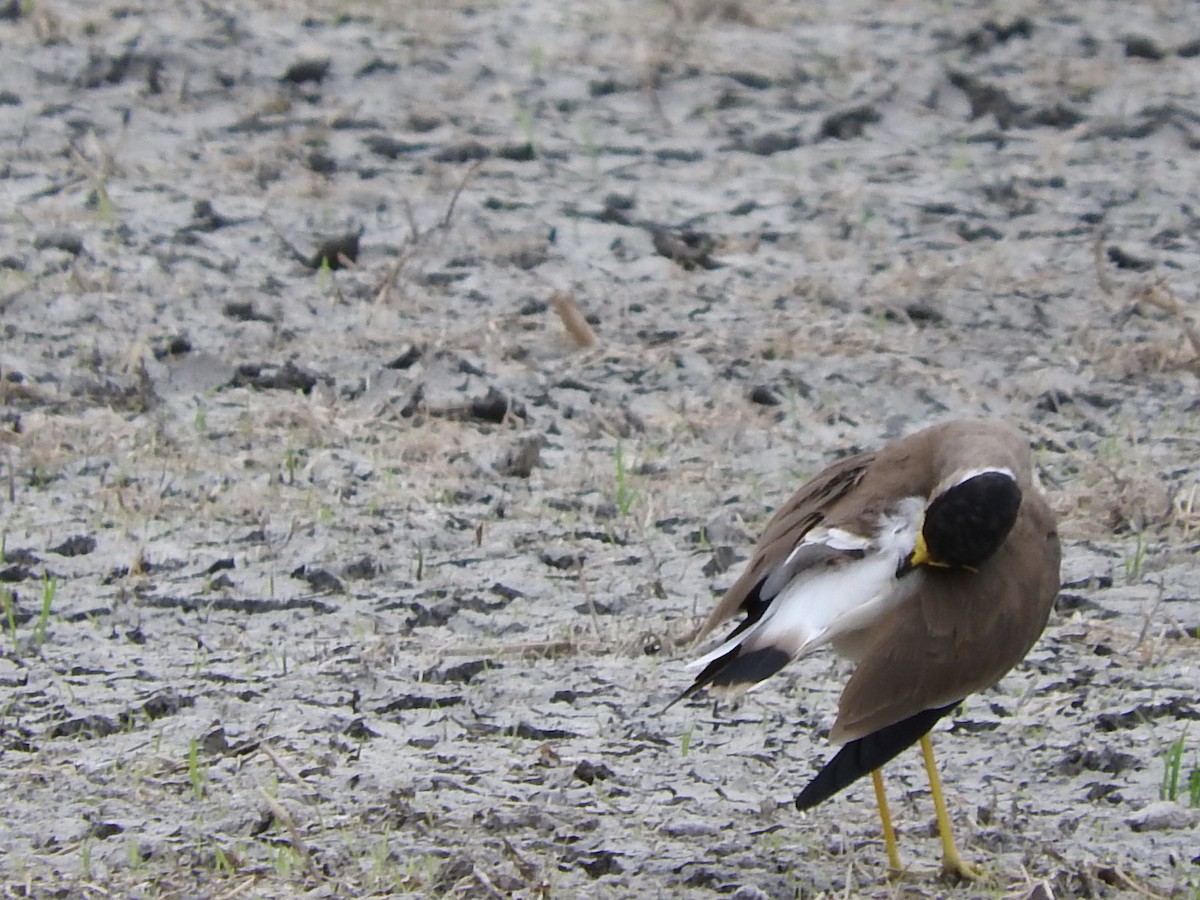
point(389, 388)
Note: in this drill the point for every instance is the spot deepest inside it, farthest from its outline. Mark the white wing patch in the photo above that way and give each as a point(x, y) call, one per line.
point(820, 604)
point(837, 538)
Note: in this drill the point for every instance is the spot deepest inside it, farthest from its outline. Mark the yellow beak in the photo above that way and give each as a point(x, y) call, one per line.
point(920, 555)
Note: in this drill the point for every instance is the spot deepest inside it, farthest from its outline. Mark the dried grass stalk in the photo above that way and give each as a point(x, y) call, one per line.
point(572, 318)
point(1163, 298)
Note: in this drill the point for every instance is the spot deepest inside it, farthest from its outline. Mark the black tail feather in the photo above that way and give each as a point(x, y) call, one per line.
point(737, 668)
point(715, 671)
point(866, 754)
point(750, 668)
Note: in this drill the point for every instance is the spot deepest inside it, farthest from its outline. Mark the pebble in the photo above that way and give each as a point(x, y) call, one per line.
point(1165, 815)
point(690, 828)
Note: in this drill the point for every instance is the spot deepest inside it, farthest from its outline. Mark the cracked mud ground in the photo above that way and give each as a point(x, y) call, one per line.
point(388, 389)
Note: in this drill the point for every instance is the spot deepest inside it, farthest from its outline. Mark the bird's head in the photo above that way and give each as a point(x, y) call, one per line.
point(966, 521)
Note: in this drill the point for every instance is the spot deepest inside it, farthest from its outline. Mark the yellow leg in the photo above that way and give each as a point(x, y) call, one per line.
point(953, 865)
point(885, 820)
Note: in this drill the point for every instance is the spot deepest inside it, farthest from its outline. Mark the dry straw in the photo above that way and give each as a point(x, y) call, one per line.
point(572, 318)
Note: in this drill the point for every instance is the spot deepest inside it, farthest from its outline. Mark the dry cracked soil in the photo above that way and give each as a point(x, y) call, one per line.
point(389, 388)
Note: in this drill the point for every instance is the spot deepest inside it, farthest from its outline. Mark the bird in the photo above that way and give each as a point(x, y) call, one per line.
point(932, 563)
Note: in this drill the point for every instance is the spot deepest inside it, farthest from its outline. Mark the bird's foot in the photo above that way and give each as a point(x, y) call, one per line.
point(955, 868)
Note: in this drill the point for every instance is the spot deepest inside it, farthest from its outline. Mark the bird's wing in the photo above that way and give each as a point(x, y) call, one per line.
point(779, 557)
point(960, 632)
point(818, 572)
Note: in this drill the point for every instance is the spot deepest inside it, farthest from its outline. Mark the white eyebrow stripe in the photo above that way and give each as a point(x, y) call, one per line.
point(966, 475)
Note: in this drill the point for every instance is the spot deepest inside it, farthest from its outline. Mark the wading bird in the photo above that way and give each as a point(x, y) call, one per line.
point(933, 563)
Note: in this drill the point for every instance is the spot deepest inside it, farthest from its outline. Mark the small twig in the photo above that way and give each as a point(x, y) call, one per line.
point(96, 172)
point(850, 881)
point(266, 748)
point(1101, 263)
point(485, 882)
point(528, 870)
point(1162, 297)
point(573, 319)
point(587, 596)
point(412, 221)
point(345, 114)
point(1133, 885)
point(291, 248)
point(458, 190)
point(393, 274)
point(548, 649)
point(281, 814)
point(240, 889)
point(1148, 619)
